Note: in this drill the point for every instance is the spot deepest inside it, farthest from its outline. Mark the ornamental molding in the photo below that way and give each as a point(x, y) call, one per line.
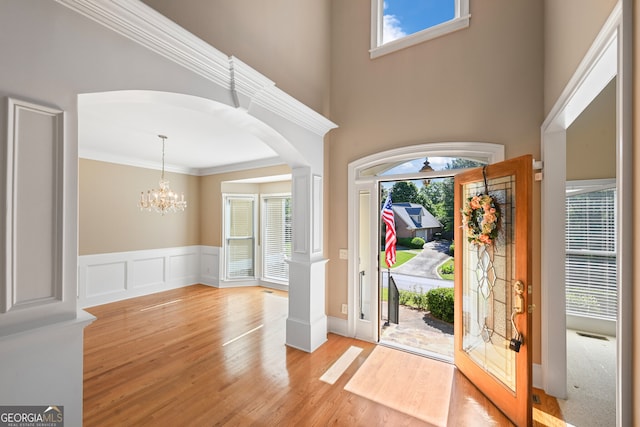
point(152, 30)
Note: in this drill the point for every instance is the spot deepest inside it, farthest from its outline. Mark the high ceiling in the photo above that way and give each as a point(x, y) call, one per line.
point(203, 136)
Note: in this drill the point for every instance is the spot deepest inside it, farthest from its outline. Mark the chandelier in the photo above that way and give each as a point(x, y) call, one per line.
point(162, 200)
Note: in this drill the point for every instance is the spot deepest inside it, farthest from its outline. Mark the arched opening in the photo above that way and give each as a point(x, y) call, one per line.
point(365, 178)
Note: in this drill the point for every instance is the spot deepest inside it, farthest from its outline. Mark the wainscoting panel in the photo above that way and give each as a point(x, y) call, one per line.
point(184, 266)
point(210, 265)
point(105, 278)
point(148, 272)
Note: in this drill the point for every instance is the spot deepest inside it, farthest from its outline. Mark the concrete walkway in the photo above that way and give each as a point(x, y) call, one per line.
point(418, 330)
point(426, 263)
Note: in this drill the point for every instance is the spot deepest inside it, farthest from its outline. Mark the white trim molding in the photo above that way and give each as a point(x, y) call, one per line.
point(150, 29)
point(336, 325)
point(104, 278)
point(142, 24)
point(33, 207)
point(610, 55)
point(459, 21)
point(360, 182)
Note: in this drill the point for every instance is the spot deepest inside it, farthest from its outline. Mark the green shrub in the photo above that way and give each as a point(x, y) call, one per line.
point(405, 297)
point(419, 300)
point(447, 268)
point(452, 248)
point(411, 242)
point(417, 242)
point(440, 303)
point(414, 298)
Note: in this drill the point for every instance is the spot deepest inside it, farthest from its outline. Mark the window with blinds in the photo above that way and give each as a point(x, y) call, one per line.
point(276, 241)
point(239, 237)
point(591, 285)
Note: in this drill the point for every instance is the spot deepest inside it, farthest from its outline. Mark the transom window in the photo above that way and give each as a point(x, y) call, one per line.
point(397, 24)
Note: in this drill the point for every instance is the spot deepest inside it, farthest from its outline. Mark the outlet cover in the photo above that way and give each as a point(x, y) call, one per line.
point(344, 309)
point(344, 254)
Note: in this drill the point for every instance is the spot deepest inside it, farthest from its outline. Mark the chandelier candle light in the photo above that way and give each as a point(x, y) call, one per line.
point(162, 200)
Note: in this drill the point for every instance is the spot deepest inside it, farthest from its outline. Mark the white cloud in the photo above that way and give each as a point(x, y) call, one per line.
point(391, 29)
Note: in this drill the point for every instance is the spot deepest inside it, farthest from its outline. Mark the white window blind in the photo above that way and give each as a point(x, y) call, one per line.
point(591, 285)
point(240, 239)
point(277, 237)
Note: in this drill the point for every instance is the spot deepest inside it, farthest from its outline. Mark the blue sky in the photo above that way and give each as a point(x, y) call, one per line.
point(404, 17)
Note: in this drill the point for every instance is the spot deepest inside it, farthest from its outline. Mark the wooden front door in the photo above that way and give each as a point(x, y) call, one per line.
point(493, 283)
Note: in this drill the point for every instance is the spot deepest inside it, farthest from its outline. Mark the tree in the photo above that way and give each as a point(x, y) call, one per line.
point(404, 191)
point(463, 164)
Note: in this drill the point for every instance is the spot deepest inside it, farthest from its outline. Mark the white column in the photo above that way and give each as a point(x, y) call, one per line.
point(307, 321)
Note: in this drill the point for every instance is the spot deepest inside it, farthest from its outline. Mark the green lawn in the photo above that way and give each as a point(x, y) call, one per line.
point(401, 258)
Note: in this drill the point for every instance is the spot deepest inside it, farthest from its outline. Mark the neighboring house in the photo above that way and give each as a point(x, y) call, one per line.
point(414, 220)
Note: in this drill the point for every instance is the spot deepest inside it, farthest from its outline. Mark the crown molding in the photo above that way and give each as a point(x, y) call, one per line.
point(236, 167)
point(142, 24)
point(152, 30)
point(127, 161)
point(251, 87)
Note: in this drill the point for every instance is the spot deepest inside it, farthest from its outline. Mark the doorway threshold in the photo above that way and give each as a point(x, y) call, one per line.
point(417, 351)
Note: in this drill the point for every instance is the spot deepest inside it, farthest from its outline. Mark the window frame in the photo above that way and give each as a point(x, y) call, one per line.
point(263, 235)
point(580, 254)
point(227, 197)
point(460, 21)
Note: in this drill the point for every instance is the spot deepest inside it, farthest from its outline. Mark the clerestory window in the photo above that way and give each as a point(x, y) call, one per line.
point(397, 24)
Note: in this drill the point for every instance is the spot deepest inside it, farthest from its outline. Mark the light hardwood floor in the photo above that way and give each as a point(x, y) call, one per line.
point(201, 356)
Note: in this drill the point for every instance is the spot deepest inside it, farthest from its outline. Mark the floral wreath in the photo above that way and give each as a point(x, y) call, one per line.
point(480, 219)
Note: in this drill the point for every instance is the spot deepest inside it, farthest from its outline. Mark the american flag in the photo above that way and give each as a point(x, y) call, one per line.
point(390, 237)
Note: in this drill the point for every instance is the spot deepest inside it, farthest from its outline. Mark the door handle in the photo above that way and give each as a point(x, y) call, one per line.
point(518, 298)
point(518, 308)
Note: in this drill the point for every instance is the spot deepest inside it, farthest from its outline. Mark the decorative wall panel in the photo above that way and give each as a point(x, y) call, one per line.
point(33, 222)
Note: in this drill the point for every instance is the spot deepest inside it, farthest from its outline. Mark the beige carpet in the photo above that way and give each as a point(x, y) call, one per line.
point(408, 383)
point(591, 381)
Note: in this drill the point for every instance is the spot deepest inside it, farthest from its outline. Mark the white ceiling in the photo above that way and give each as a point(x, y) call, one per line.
point(203, 136)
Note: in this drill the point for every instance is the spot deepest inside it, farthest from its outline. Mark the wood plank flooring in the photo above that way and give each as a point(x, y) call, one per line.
point(202, 356)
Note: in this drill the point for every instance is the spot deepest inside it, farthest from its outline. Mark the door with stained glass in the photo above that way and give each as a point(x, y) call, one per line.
point(493, 283)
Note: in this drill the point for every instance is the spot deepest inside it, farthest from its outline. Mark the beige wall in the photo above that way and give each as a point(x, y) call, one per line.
point(591, 139)
point(286, 40)
point(483, 83)
point(570, 26)
point(110, 221)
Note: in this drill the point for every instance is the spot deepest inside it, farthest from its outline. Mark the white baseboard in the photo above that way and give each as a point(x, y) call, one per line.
point(537, 375)
point(104, 278)
point(337, 325)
